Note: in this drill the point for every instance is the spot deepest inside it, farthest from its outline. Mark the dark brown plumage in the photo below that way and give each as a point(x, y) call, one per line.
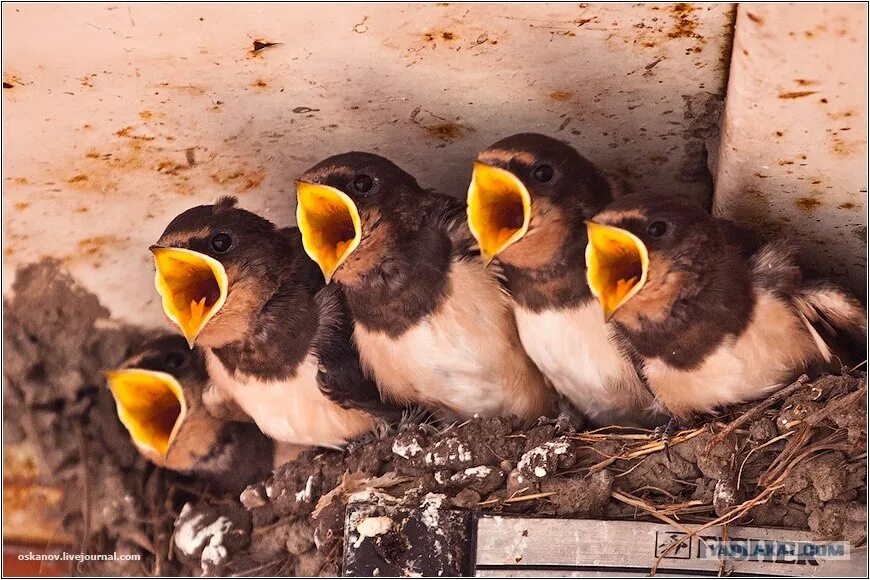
point(279, 345)
point(720, 318)
point(228, 454)
point(559, 322)
point(432, 325)
point(542, 267)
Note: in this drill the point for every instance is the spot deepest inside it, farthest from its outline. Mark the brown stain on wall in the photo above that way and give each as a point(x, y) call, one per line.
point(447, 132)
point(843, 148)
point(796, 94)
point(655, 31)
point(433, 36)
point(807, 204)
point(561, 95)
point(10, 81)
point(259, 45)
point(94, 248)
point(685, 22)
point(121, 158)
point(128, 132)
point(193, 90)
point(239, 178)
point(755, 18)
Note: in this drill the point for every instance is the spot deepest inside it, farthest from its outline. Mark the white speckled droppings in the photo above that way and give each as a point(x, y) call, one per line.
point(480, 471)
point(408, 450)
point(431, 505)
point(371, 527)
point(190, 536)
point(305, 494)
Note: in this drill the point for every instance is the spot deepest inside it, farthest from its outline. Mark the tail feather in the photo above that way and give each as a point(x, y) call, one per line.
point(836, 319)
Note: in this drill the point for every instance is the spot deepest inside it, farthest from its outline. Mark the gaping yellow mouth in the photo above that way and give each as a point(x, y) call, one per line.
point(499, 209)
point(151, 405)
point(193, 287)
point(617, 263)
point(330, 225)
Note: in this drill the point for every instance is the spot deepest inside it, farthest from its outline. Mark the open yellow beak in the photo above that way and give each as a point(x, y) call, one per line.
point(330, 225)
point(193, 287)
point(151, 406)
point(499, 209)
point(617, 263)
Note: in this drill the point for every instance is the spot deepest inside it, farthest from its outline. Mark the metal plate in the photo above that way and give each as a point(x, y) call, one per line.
point(522, 547)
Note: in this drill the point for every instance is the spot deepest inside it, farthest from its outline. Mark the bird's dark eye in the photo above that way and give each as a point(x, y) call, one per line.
point(363, 183)
point(657, 229)
point(173, 360)
point(543, 173)
point(220, 243)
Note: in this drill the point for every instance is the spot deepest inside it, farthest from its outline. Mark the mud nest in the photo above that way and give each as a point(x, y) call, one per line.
point(795, 460)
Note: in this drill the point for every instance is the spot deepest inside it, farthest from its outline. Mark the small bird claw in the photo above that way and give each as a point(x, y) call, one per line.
point(664, 433)
point(563, 422)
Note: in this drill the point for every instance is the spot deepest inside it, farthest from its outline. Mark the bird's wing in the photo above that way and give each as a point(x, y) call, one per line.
point(835, 319)
point(774, 266)
point(341, 377)
point(448, 213)
point(746, 240)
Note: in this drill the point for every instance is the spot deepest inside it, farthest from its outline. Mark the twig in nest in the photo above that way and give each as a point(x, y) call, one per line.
point(630, 469)
point(513, 495)
point(354, 482)
point(842, 402)
point(757, 411)
point(858, 366)
point(796, 445)
point(650, 509)
point(659, 445)
point(759, 448)
point(740, 510)
point(529, 497)
point(619, 428)
point(647, 448)
point(653, 488)
point(516, 499)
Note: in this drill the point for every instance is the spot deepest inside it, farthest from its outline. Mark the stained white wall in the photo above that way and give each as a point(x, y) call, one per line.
point(117, 117)
point(794, 146)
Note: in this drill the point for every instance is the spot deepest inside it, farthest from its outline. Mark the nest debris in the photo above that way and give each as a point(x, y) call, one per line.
point(795, 460)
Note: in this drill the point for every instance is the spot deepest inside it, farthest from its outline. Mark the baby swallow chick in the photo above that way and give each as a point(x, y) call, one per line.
point(527, 203)
point(159, 395)
point(709, 325)
point(275, 341)
point(433, 327)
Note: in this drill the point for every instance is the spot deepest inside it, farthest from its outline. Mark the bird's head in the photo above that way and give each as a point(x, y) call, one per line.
point(528, 193)
point(217, 265)
point(352, 210)
point(156, 390)
point(645, 253)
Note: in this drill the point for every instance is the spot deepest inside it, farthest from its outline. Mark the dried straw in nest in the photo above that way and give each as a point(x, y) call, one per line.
point(795, 460)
